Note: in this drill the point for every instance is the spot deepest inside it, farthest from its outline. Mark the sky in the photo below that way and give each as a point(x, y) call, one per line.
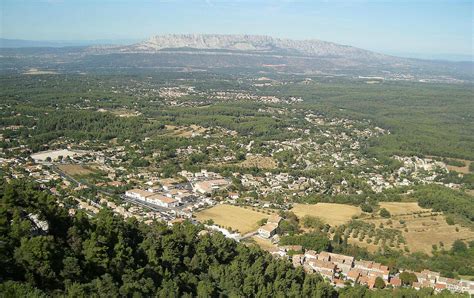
point(417, 27)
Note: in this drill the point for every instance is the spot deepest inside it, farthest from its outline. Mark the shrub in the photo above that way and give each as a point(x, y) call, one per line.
point(384, 213)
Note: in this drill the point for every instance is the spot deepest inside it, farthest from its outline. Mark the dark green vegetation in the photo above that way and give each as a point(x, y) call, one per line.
point(459, 260)
point(425, 119)
point(440, 198)
point(107, 256)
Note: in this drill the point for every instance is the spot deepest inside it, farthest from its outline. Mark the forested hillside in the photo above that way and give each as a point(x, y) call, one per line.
point(80, 256)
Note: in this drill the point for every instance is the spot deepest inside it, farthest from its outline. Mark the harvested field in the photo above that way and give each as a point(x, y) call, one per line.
point(333, 214)
point(261, 162)
point(238, 218)
point(75, 170)
point(399, 208)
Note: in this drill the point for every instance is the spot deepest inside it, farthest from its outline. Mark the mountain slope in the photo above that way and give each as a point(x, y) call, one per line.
point(253, 43)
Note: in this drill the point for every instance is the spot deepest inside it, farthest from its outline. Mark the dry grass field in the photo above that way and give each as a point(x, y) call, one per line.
point(185, 131)
point(464, 169)
point(420, 227)
point(238, 218)
point(333, 214)
point(399, 208)
point(261, 162)
point(75, 170)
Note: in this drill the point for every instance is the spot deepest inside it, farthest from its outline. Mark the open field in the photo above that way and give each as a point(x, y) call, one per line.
point(420, 227)
point(75, 170)
point(238, 218)
point(261, 162)
point(399, 208)
point(35, 71)
point(464, 169)
point(185, 131)
point(126, 113)
point(333, 214)
point(54, 154)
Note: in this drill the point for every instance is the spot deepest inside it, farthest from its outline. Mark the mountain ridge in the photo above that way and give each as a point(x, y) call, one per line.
point(252, 43)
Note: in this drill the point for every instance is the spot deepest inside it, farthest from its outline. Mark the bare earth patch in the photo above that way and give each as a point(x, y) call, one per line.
point(238, 218)
point(333, 214)
point(35, 71)
point(261, 162)
point(75, 170)
point(185, 131)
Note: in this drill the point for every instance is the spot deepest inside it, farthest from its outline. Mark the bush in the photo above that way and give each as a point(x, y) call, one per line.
point(367, 208)
point(449, 220)
point(384, 213)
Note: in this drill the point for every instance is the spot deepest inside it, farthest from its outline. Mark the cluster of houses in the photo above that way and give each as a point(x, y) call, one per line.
point(341, 269)
point(171, 194)
point(430, 279)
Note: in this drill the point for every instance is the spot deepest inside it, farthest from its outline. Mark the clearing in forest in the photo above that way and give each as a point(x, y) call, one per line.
point(75, 170)
point(261, 162)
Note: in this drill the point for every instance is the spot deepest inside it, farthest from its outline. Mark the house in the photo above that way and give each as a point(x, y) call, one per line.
point(371, 282)
point(451, 284)
point(344, 263)
point(274, 218)
point(326, 269)
point(209, 186)
point(161, 200)
point(373, 269)
point(439, 287)
point(233, 195)
point(138, 194)
point(431, 276)
point(353, 275)
point(267, 230)
point(395, 282)
point(297, 260)
point(311, 255)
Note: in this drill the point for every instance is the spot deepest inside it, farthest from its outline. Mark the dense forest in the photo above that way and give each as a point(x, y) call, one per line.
point(78, 256)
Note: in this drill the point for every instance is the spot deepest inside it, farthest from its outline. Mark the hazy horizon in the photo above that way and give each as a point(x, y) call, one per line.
point(64, 43)
point(422, 28)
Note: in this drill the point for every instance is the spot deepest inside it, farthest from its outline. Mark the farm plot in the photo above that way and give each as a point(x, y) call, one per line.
point(237, 218)
point(421, 228)
point(399, 208)
point(75, 170)
point(261, 162)
point(333, 214)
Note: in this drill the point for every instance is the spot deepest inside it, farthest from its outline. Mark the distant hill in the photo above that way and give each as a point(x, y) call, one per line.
point(252, 44)
point(231, 53)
